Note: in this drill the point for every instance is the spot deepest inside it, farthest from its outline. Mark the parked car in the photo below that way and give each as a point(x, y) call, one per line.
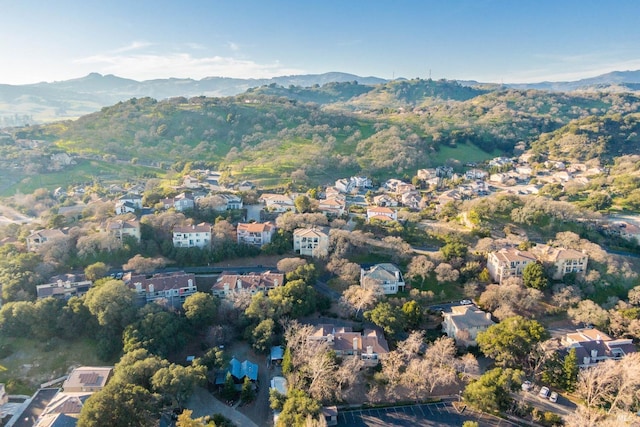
point(553, 397)
point(526, 386)
point(544, 392)
point(466, 302)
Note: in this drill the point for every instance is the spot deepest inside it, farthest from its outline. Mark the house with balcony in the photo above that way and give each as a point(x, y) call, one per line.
point(593, 346)
point(255, 233)
point(173, 288)
point(192, 236)
point(313, 242)
point(63, 289)
point(508, 262)
point(563, 260)
point(119, 228)
point(180, 203)
point(385, 278)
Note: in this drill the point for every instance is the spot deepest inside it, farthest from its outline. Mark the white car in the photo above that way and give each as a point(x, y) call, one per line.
point(544, 392)
point(466, 302)
point(526, 386)
point(553, 397)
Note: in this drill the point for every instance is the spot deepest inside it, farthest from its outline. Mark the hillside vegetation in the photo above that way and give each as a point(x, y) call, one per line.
point(336, 129)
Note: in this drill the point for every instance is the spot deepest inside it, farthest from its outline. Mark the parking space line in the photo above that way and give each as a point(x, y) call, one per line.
point(421, 410)
point(429, 408)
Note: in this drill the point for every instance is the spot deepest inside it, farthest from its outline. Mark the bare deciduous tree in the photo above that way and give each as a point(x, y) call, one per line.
point(358, 298)
point(419, 268)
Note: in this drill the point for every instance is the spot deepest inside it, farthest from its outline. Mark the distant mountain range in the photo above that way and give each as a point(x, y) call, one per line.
point(46, 102)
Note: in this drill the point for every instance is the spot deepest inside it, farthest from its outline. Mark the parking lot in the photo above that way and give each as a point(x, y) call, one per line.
point(433, 414)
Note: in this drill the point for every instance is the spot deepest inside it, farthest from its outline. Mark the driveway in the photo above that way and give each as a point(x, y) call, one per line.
point(202, 403)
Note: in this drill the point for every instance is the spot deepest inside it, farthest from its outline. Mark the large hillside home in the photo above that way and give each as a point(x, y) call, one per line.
point(313, 242)
point(565, 261)
point(370, 345)
point(464, 322)
point(253, 283)
point(173, 288)
point(120, 228)
point(255, 233)
point(192, 236)
point(40, 237)
point(63, 289)
point(593, 346)
point(385, 278)
point(508, 262)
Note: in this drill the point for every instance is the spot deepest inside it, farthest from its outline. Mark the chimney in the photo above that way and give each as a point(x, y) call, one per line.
point(586, 360)
point(151, 288)
point(594, 354)
point(190, 283)
point(330, 338)
point(355, 344)
point(138, 286)
point(369, 349)
point(238, 284)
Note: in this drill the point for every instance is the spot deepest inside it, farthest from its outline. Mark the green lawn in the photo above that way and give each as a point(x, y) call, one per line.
point(26, 363)
point(441, 292)
point(464, 153)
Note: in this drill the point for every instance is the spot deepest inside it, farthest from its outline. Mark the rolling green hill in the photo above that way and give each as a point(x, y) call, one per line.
point(338, 129)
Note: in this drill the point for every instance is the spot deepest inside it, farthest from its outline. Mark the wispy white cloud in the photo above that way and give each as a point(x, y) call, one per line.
point(146, 66)
point(135, 45)
point(233, 46)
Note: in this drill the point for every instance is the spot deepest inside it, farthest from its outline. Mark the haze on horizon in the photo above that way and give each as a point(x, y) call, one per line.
point(483, 40)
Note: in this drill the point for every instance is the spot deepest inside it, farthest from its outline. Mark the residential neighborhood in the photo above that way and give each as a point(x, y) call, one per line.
point(458, 293)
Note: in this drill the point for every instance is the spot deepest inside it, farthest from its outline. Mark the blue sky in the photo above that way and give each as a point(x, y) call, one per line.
point(485, 40)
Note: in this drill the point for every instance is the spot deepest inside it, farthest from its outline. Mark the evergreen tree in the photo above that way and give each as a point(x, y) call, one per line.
point(570, 369)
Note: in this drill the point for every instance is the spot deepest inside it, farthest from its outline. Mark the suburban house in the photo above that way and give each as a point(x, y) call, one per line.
point(134, 200)
point(180, 203)
point(63, 289)
point(332, 207)
point(239, 371)
point(381, 213)
point(313, 242)
point(192, 236)
point(344, 185)
point(246, 186)
point(119, 228)
point(593, 346)
point(87, 379)
point(411, 199)
point(464, 322)
point(122, 208)
point(277, 202)
point(385, 200)
point(191, 182)
point(564, 260)
point(255, 233)
point(172, 287)
point(508, 262)
point(370, 345)
point(233, 201)
point(40, 237)
point(385, 277)
point(228, 283)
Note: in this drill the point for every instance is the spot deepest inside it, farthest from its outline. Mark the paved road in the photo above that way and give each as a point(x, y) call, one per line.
point(203, 403)
point(428, 415)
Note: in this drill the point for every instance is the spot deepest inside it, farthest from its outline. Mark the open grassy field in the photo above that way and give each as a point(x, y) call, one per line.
point(85, 171)
point(26, 363)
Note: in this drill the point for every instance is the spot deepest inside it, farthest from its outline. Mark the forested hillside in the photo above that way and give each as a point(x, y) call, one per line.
point(341, 128)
